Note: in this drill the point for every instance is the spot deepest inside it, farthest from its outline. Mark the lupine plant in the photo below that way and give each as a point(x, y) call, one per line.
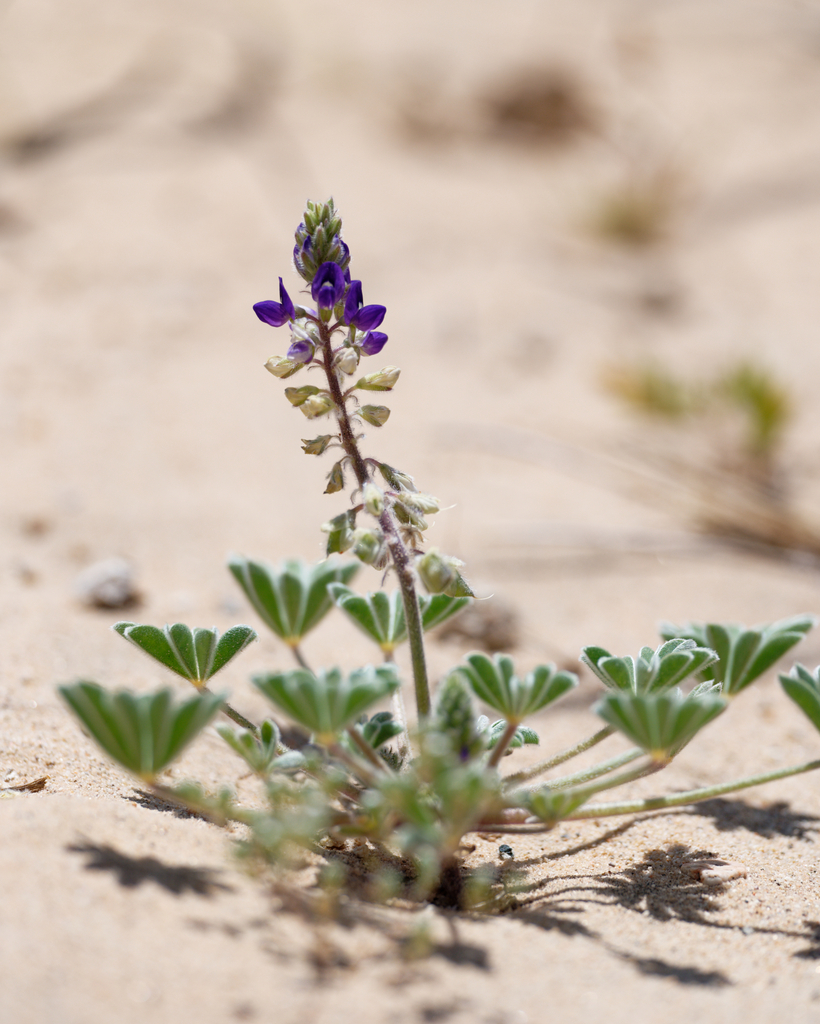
point(357, 772)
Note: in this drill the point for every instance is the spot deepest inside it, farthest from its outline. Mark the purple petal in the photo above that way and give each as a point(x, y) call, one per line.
point(328, 286)
point(301, 351)
point(353, 302)
point(368, 317)
point(272, 313)
point(373, 342)
point(284, 298)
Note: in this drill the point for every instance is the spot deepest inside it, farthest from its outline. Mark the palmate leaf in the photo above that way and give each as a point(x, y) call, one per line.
point(551, 806)
point(660, 723)
point(745, 654)
point(196, 655)
point(327, 702)
point(522, 736)
point(142, 733)
point(259, 752)
point(804, 689)
point(652, 671)
point(292, 598)
point(381, 615)
point(493, 680)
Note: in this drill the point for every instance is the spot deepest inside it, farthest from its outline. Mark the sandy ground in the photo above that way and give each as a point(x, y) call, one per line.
point(154, 160)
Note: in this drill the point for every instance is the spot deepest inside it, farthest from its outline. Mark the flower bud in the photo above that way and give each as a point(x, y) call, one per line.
point(298, 396)
point(340, 532)
point(318, 445)
point(316, 405)
point(409, 517)
point(375, 415)
point(435, 572)
point(335, 479)
point(384, 380)
point(396, 479)
point(281, 367)
point(369, 547)
point(347, 360)
point(373, 499)
point(422, 502)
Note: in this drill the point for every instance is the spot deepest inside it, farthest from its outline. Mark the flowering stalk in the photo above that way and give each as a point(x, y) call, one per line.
point(322, 260)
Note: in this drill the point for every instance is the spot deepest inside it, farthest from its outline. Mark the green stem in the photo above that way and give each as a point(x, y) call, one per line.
point(297, 654)
point(503, 743)
point(361, 771)
point(233, 714)
point(691, 796)
point(564, 755)
point(595, 772)
point(366, 749)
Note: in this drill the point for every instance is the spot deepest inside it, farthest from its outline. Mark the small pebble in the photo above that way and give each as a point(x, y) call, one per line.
point(107, 584)
point(505, 852)
point(714, 871)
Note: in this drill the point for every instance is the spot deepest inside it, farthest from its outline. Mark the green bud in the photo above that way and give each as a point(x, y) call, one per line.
point(440, 575)
point(316, 405)
point(384, 380)
point(422, 502)
point(335, 479)
point(369, 547)
point(409, 517)
point(373, 499)
point(375, 415)
point(395, 479)
point(298, 396)
point(347, 360)
point(282, 367)
point(318, 445)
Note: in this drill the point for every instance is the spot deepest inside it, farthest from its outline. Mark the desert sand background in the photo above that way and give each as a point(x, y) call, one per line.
point(155, 158)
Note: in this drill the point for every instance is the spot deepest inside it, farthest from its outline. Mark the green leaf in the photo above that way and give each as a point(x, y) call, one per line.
point(142, 733)
point(660, 723)
point(328, 702)
point(494, 681)
point(522, 735)
point(745, 654)
point(293, 598)
point(552, 806)
point(379, 615)
point(258, 752)
point(438, 608)
point(381, 728)
point(803, 687)
point(195, 655)
point(652, 671)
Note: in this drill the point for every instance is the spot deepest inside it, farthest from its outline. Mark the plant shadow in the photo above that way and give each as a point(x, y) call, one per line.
point(132, 872)
point(775, 820)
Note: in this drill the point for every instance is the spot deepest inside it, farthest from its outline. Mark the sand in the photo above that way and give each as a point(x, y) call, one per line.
point(154, 160)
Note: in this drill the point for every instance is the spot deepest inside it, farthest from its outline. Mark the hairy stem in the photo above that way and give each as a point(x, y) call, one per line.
point(366, 749)
point(398, 550)
point(593, 772)
point(503, 743)
point(691, 796)
point(234, 715)
point(564, 755)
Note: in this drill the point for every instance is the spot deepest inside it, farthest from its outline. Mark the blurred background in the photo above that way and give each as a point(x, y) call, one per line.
point(595, 225)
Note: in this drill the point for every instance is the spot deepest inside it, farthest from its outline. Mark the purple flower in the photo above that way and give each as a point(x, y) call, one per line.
point(373, 341)
point(275, 313)
point(364, 318)
point(301, 351)
point(328, 286)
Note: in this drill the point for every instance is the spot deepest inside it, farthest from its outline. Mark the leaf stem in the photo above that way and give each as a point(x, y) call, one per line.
point(503, 743)
point(594, 772)
point(691, 796)
point(366, 749)
point(565, 755)
point(233, 714)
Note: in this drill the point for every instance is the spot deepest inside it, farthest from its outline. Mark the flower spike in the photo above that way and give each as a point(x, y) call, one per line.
point(277, 314)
